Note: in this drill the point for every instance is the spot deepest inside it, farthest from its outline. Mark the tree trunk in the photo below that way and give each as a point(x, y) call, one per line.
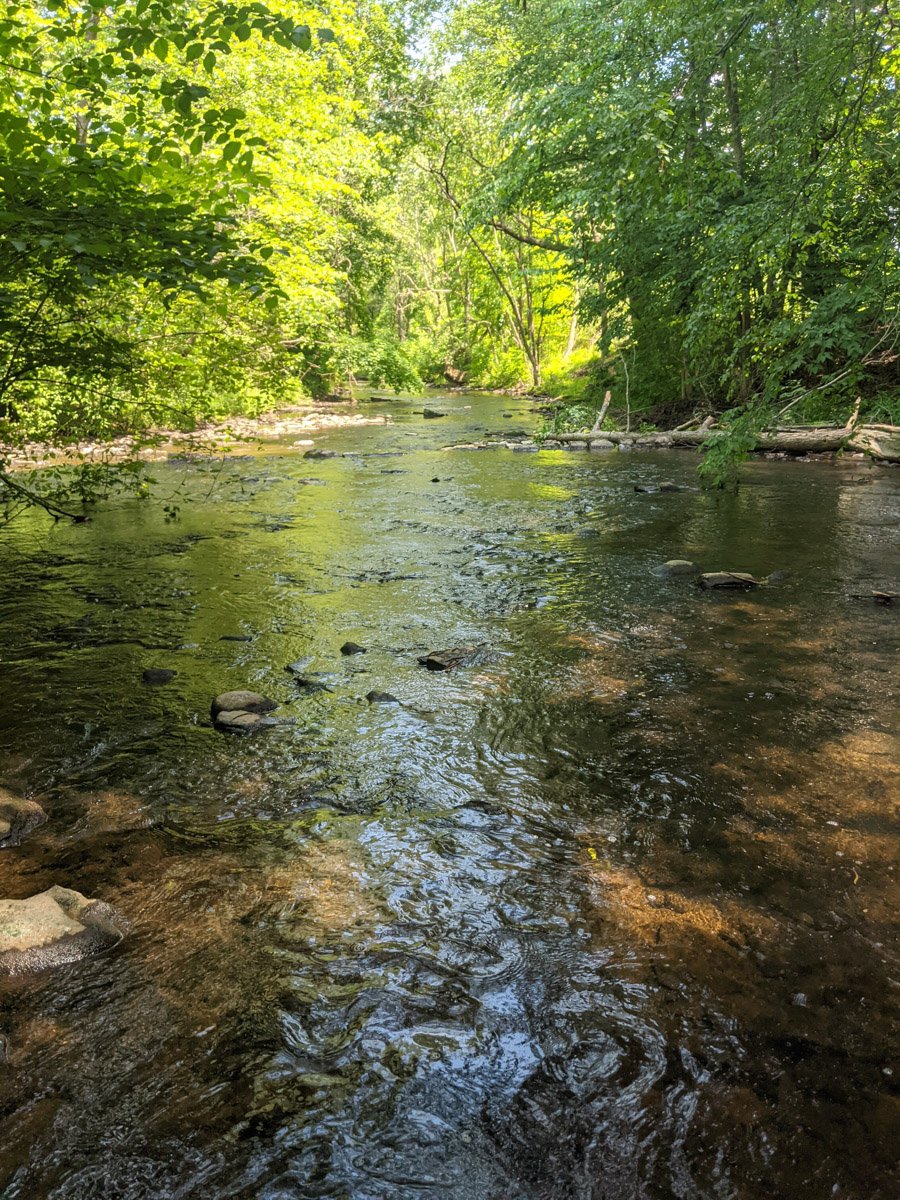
point(880, 441)
point(573, 333)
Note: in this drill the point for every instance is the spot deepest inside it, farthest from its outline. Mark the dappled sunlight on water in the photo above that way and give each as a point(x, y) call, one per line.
point(610, 913)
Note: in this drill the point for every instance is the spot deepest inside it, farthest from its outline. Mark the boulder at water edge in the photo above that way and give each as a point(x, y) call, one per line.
point(52, 928)
point(18, 818)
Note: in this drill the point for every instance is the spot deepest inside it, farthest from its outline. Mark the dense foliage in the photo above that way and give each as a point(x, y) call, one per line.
point(722, 178)
point(187, 195)
point(212, 208)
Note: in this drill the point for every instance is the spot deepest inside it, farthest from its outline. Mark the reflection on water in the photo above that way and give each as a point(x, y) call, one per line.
point(612, 914)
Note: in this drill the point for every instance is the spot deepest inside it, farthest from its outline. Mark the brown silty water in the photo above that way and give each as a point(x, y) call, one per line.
point(611, 914)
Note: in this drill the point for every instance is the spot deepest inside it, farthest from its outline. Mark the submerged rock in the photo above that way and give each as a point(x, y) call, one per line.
point(430, 414)
point(381, 698)
point(321, 454)
point(676, 566)
point(157, 675)
point(308, 683)
point(456, 656)
point(728, 579)
point(52, 928)
point(652, 489)
point(235, 637)
point(353, 648)
point(298, 667)
point(18, 818)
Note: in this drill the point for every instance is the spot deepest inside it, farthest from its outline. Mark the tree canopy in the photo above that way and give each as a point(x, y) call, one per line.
point(211, 208)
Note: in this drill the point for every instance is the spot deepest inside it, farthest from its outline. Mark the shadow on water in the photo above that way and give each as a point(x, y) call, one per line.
point(610, 915)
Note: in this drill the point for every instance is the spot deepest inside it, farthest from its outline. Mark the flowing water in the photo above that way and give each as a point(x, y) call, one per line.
point(610, 915)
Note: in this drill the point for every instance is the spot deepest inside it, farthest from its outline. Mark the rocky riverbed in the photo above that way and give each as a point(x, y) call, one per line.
point(567, 874)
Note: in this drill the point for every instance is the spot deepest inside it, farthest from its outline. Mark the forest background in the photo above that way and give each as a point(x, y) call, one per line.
point(212, 209)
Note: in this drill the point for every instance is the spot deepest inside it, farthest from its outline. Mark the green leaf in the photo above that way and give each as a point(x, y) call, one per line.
point(161, 49)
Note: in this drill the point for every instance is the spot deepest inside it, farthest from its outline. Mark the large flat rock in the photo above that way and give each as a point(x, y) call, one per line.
point(52, 928)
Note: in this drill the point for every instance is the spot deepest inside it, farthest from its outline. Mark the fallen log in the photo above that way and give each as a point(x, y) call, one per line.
point(881, 441)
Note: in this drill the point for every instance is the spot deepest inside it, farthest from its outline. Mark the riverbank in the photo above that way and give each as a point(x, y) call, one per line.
point(880, 443)
point(212, 438)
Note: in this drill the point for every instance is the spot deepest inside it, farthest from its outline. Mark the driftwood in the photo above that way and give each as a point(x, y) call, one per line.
point(880, 441)
point(601, 415)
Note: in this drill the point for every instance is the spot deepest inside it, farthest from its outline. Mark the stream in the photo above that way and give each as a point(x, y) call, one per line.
point(610, 914)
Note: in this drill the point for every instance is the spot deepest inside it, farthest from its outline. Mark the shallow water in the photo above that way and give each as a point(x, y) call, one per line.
point(610, 915)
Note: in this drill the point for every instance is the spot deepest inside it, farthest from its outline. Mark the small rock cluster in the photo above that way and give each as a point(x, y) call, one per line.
point(242, 712)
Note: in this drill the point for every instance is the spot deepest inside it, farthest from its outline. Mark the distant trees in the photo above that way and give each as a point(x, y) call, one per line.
point(727, 175)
